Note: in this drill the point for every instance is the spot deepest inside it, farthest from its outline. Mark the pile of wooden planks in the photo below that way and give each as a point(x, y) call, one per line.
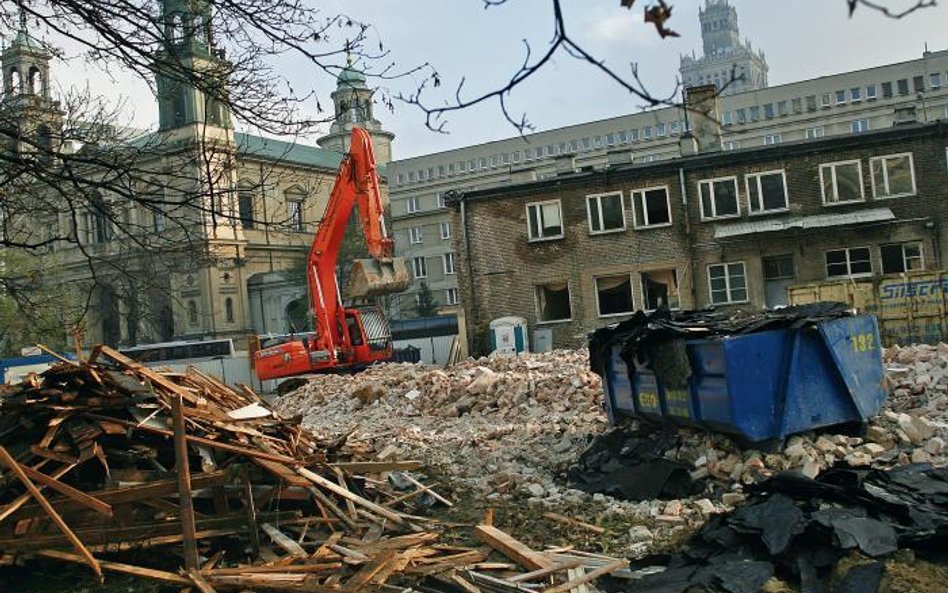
point(103, 458)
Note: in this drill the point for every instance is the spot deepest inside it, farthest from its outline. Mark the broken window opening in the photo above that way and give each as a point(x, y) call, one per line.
point(614, 295)
point(553, 302)
point(660, 290)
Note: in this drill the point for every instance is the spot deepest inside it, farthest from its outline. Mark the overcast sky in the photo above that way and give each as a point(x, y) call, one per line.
point(801, 39)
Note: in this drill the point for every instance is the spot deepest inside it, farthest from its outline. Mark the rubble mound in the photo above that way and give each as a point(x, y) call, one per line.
point(492, 423)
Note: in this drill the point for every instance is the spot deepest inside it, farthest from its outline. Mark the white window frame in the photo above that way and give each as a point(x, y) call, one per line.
point(711, 182)
point(445, 228)
point(727, 282)
point(451, 296)
point(757, 175)
point(559, 206)
point(772, 139)
point(815, 132)
point(415, 235)
point(413, 205)
point(885, 173)
point(294, 215)
point(640, 194)
point(853, 125)
point(419, 267)
point(849, 265)
point(902, 244)
point(631, 295)
point(871, 92)
point(934, 80)
point(449, 257)
point(831, 167)
point(441, 200)
point(598, 201)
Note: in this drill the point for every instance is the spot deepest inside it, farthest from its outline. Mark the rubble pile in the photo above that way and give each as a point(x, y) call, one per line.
point(494, 425)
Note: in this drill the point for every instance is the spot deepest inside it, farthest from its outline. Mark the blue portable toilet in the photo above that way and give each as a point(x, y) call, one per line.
point(508, 335)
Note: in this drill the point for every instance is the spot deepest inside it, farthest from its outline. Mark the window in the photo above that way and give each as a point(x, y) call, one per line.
point(852, 261)
point(797, 105)
point(860, 125)
point(719, 198)
point(192, 313)
point(660, 290)
point(855, 94)
point(611, 138)
point(614, 295)
point(505, 159)
point(159, 219)
point(493, 160)
point(229, 310)
point(755, 113)
point(901, 257)
point(553, 302)
point(766, 192)
point(886, 90)
point(420, 267)
point(440, 170)
point(516, 156)
point(903, 86)
point(294, 214)
point(814, 132)
point(414, 234)
point(892, 175)
point(727, 118)
point(778, 267)
point(652, 207)
point(840, 97)
point(728, 283)
point(445, 229)
point(634, 135)
point(451, 296)
point(661, 130)
point(483, 162)
point(574, 145)
point(825, 100)
point(544, 220)
point(732, 144)
point(842, 182)
point(782, 108)
point(448, 263)
point(771, 139)
point(870, 92)
point(934, 80)
point(675, 128)
point(606, 212)
point(918, 84)
point(440, 199)
point(586, 144)
point(741, 115)
point(769, 110)
point(623, 137)
point(414, 204)
point(811, 103)
point(647, 132)
point(245, 207)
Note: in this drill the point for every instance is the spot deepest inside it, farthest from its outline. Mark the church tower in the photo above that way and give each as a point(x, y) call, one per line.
point(190, 53)
point(33, 118)
point(724, 54)
point(353, 105)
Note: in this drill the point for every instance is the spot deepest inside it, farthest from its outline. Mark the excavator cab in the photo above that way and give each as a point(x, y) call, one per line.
point(375, 277)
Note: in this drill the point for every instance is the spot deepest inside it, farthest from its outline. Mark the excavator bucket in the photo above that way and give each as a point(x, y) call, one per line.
point(374, 277)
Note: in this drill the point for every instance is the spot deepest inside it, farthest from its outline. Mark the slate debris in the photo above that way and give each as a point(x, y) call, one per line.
point(799, 529)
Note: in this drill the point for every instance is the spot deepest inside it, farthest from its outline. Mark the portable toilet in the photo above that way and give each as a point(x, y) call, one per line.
point(508, 335)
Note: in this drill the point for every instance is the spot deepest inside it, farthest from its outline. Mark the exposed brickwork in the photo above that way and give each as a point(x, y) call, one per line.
point(499, 268)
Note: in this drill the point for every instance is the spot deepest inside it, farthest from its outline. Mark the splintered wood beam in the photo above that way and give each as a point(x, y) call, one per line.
point(512, 548)
point(21, 500)
point(587, 577)
point(251, 517)
point(68, 491)
point(152, 375)
point(185, 498)
point(11, 463)
point(148, 573)
point(283, 541)
point(199, 582)
point(539, 574)
point(376, 467)
point(346, 494)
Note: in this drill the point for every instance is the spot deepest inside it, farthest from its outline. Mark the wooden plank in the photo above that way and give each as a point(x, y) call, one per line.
point(588, 577)
point(436, 496)
point(199, 582)
point(148, 573)
point(185, 497)
point(68, 491)
point(53, 455)
point(11, 463)
point(251, 517)
point(575, 573)
point(343, 492)
point(291, 568)
point(21, 500)
point(574, 522)
point(512, 548)
point(341, 479)
point(377, 467)
point(543, 572)
point(368, 571)
point(152, 375)
point(282, 540)
point(56, 355)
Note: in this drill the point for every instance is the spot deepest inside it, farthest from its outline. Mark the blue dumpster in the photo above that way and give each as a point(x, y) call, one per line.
point(763, 385)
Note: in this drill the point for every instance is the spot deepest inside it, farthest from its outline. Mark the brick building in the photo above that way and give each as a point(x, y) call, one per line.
point(734, 228)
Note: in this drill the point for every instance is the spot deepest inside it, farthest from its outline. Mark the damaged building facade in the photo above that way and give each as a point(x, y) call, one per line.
point(710, 228)
point(184, 232)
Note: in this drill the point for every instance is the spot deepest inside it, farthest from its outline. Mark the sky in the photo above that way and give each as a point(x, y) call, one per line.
point(462, 40)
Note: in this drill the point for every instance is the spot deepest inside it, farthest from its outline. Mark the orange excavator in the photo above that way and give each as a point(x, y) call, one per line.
point(346, 339)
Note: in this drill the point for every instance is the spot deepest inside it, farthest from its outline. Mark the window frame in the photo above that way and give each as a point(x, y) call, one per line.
point(412, 205)
point(727, 281)
point(862, 128)
point(448, 292)
point(294, 216)
point(445, 224)
point(849, 265)
point(541, 238)
point(758, 175)
point(872, 178)
point(711, 182)
point(602, 315)
point(415, 235)
point(901, 245)
point(833, 165)
point(445, 258)
point(598, 200)
point(642, 191)
point(415, 265)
